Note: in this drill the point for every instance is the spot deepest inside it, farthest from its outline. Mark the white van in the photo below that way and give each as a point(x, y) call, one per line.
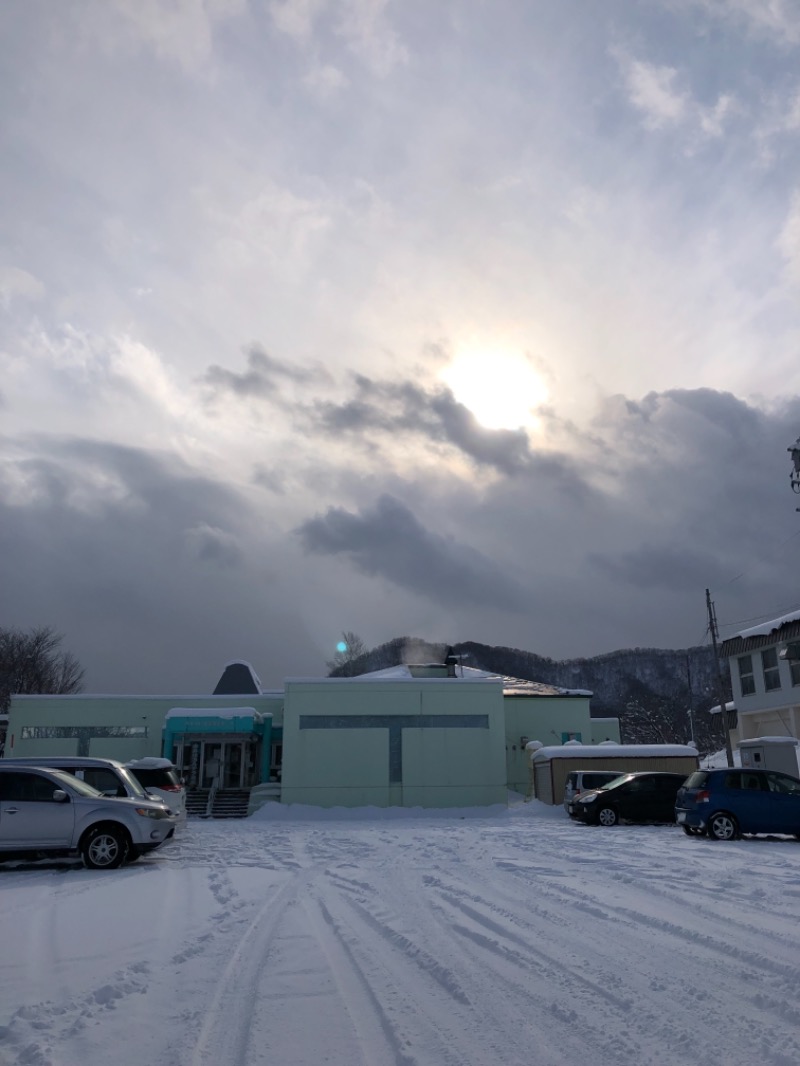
point(579, 781)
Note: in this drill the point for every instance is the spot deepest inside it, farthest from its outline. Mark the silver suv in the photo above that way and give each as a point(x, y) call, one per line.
point(50, 812)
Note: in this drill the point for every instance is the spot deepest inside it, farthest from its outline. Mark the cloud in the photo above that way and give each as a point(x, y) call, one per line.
point(18, 284)
point(665, 567)
point(213, 545)
point(262, 379)
point(657, 93)
point(180, 31)
point(364, 26)
point(393, 408)
point(388, 541)
point(296, 18)
point(779, 20)
point(789, 239)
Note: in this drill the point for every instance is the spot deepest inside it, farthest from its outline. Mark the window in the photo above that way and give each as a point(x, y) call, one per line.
point(747, 682)
point(794, 668)
point(772, 674)
point(26, 788)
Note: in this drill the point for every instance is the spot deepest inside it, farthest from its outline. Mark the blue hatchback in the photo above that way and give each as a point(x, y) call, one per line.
point(723, 804)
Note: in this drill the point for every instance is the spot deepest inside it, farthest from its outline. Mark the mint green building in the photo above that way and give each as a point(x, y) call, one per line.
point(433, 735)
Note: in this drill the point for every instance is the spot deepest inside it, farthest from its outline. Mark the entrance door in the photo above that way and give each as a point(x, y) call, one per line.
point(233, 761)
point(211, 764)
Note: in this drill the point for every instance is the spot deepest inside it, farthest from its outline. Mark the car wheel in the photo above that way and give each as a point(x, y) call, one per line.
point(722, 826)
point(607, 816)
point(104, 847)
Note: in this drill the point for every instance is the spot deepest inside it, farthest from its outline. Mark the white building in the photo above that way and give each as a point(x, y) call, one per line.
point(765, 676)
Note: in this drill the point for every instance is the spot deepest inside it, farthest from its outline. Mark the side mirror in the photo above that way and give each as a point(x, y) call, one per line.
point(60, 796)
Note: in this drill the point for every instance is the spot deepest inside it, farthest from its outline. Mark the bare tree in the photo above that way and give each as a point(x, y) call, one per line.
point(349, 649)
point(33, 662)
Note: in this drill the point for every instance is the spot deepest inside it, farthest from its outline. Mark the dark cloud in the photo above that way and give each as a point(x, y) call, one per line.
point(668, 567)
point(390, 542)
point(156, 575)
point(263, 378)
point(212, 545)
point(405, 407)
point(270, 479)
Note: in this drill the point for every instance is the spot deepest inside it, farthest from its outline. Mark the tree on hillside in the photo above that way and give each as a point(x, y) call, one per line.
point(33, 662)
point(349, 649)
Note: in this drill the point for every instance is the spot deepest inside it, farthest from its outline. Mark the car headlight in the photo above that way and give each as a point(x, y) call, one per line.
point(148, 812)
point(588, 799)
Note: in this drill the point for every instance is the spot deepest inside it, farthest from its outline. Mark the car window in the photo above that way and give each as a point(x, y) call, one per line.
point(744, 780)
point(159, 778)
point(616, 781)
point(642, 784)
point(783, 783)
point(668, 783)
point(81, 787)
point(696, 780)
point(104, 780)
point(596, 780)
point(134, 785)
point(26, 788)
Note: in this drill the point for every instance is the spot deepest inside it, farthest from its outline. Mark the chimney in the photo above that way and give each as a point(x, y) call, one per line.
point(451, 659)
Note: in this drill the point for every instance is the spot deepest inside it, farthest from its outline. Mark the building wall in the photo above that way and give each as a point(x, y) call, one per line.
point(548, 719)
point(605, 729)
point(762, 713)
point(138, 720)
point(788, 693)
point(355, 743)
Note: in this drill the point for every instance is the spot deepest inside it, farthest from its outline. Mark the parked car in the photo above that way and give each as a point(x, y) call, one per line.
point(106, 775)
point(647, 796)
point(50, 812)
point(160, 778)
point(580, 781)
point(723, 804)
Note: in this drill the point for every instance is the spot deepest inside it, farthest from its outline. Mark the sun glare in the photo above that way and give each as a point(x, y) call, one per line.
point(501, 389)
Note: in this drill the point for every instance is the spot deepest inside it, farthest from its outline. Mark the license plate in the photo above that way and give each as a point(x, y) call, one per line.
point(681, 817)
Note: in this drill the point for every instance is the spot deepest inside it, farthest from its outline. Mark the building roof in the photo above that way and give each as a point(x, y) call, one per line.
point(787, 627)
point(238, 679)
point(512, 686)
point(610, 750)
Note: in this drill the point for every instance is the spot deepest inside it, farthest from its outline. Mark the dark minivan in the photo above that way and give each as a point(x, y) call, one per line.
point(647, 796)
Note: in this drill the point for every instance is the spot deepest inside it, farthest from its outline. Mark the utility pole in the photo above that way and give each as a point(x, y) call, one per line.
point(712, 625)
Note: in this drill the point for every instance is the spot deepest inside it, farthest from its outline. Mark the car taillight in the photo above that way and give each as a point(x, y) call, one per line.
point(702, 796)
point(170, 788)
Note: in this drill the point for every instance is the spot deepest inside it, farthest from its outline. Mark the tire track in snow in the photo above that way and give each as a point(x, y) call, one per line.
point(224, 1034)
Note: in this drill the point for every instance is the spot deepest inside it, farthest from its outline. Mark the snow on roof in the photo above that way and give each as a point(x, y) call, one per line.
point(612, 751)
point(767, 740)
point(216, 712)
point(769, 627)
point(730, 706)
point(511, 685)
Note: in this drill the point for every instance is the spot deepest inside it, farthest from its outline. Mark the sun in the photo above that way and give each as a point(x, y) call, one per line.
point(502, 389)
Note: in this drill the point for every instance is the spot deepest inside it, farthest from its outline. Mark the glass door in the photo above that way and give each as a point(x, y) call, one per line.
point(211, 764)
point(233, 761)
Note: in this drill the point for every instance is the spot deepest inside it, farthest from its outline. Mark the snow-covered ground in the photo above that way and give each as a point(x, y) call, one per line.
point(298, 938)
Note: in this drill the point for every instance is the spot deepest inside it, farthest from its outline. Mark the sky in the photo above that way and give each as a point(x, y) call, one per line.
point(515, 936)
point(461, 321)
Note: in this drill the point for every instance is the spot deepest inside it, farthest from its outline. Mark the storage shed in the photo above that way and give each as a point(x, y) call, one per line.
point(551, 765)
